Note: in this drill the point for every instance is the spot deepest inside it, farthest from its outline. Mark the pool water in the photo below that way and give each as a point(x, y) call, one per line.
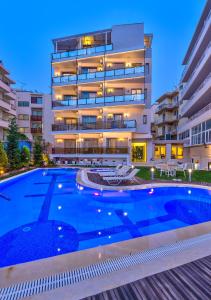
point(46, 213)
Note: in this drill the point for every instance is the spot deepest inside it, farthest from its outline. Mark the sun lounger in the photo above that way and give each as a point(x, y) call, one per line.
point(116, 172)
point(116, 180)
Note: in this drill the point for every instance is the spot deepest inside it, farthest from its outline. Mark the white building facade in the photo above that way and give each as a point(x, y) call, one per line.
point(101, 92)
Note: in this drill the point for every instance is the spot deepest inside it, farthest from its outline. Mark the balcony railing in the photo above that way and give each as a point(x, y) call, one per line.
point(82, 52)
point(36, 130)
point(36, 118)
point(97, 75)
point(167, 106)
point(126, 124)
point(99, 100)
point(196, 44)
point(91, 150)
point(166, 120)
point(187, 85)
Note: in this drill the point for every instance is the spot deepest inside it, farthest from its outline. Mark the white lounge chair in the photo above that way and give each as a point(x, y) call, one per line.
point(116, 180)
point(121, 171)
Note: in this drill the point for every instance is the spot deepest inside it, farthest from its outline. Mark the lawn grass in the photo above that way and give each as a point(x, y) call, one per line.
point(197, 175)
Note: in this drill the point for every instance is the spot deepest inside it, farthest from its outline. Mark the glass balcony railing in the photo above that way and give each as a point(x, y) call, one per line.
point(82, 52)
point(124, 124)
point(91, 150)
point(68, 103)
point(97, 75)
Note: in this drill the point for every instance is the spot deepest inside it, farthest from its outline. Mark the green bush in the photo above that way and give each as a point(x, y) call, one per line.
point(3, 157)
point(25, 156)
point(38, 152)
point(13, 152)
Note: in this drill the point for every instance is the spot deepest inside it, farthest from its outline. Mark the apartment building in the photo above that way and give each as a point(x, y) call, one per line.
point(7, 101)
point(195, 94)
point(34, 114)
point(165, 121)
point(101, 92)
point(166, 116)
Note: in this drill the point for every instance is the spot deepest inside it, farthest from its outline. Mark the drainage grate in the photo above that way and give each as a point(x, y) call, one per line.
point(44, 284)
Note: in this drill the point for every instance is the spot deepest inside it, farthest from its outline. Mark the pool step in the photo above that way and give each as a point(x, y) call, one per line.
point(34, 287)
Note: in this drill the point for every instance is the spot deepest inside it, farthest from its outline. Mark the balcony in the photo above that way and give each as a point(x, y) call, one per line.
point(202, 61)
point(81, 52)
point(96, 150)
point(195, 102)
point(36, 130)
point(36, 118)
point(99, 101)
point(109, 125)
point(197, 45)
point(169, 119)
point(98, 76)
point(167, 106)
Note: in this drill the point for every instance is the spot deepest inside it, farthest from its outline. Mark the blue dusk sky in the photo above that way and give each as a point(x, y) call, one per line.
point(27, 28)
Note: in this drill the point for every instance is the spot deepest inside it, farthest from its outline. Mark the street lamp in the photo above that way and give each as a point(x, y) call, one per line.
point(152, 173)
point(189, 173)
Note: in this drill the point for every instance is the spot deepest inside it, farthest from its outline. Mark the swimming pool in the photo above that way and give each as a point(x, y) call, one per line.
point(49, 214)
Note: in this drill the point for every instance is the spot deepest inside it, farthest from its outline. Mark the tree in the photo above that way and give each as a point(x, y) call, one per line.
point(38, 152)
point(13, 152)
point(3, 157)
point(25, 156)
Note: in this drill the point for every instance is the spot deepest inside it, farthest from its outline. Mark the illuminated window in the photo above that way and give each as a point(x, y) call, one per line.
point(177, 152)
point(88, 40)
point(160, 152)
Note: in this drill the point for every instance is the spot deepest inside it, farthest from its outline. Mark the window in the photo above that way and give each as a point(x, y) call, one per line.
point(89, 119)
point(144, 119)
point(37, 113)
point(160, 152)
point(23, 129)
point(177, 152)
point(23, 117)
point(23, 103)
point(36, 100)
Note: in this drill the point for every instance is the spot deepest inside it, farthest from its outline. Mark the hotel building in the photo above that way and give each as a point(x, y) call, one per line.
point(166, 118)
point(195, 95)
point(101, 92)
point(7, 101)
point(34, 115)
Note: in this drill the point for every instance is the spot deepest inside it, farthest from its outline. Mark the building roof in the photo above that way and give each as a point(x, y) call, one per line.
point(95, 32)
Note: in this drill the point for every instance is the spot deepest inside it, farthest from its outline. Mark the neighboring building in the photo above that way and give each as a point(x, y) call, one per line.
point(195, 95)
point(164, 128)
point(7, 101)
point(34, 115)
point(101, 84)
point(166, 116)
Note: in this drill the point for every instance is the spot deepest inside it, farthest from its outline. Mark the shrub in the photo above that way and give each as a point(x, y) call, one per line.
point(25, 156)
point(3, 157)
point(38, 152)
point(13, 152)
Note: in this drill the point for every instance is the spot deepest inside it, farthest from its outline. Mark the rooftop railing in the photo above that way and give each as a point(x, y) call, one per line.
point(125, 124)
point(106, 100)
point(82, 52)
point(97, 75)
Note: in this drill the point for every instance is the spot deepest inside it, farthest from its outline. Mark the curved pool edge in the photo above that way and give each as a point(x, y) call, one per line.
point(82, 179)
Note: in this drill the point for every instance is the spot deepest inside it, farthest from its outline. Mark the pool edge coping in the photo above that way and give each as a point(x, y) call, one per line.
point(82, 179)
